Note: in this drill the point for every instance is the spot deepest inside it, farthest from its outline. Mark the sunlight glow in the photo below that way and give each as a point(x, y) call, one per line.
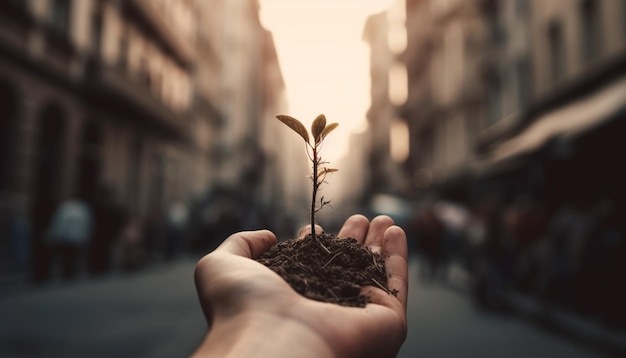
point(324, 61)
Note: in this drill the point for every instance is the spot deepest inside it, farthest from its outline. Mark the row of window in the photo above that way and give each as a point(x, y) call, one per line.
point(138, 53)
point(517, 75)
point(142, 57)
point(590, 40)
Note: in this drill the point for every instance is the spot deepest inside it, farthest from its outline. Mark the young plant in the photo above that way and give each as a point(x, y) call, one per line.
point(319, 131)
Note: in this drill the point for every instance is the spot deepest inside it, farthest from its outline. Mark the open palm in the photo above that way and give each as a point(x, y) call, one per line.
point(239, 292)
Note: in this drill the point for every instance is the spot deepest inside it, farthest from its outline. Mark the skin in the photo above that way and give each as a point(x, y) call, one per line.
point(253, 312)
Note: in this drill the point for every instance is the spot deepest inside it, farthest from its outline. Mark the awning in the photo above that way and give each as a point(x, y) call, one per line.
point(566, 122)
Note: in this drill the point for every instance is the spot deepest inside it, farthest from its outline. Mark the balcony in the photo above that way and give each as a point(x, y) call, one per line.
point(125, 96)
point(156, 22)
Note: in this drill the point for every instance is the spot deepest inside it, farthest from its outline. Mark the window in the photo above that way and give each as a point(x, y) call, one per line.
point(96, 30)
point(14, 8)
point(494, 99)
point(8, 122)
point(399, 140)
point(124, 47)
point(521, 7)
point(624, 18)
point(133, 171)
point(398, 86)
point(591, 32)
point(59, 16)
point(556, 51)
point(493, 11)
point(522, 70)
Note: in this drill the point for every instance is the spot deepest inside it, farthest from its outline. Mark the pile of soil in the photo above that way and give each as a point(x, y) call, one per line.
point(334, 272)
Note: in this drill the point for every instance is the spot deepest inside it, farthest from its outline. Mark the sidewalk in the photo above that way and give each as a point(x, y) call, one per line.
point(14, 282)
point(18, 282)
point(573, 326)
point(153, 312)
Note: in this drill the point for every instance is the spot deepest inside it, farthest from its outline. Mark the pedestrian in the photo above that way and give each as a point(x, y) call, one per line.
point(41, 215)
point(108, 222)
point(253, 312)
point(429, 232)
point(68, 235)
point(132, 245)
point(177, 217)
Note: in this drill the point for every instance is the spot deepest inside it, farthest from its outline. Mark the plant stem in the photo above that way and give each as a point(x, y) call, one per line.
point(316, 184)
point(314, 194)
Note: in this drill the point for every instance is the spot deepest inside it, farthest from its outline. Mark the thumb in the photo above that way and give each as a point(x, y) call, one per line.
point(250, 244)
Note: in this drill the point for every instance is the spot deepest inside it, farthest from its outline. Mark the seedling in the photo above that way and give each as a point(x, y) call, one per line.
point(311, 269)
point(319, 131)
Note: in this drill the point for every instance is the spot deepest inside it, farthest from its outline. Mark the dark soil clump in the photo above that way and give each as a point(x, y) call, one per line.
point(334, 276)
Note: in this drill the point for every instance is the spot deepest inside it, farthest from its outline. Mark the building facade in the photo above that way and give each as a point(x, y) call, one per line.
point(385, 34)
point(241, 75)
point(560, 77)
point(521, 125)
point(445, 104)
point(97, 96)
point(482, 72)
point(148, 103)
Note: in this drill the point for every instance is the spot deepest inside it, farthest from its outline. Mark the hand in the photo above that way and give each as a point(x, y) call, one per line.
point(253, 312)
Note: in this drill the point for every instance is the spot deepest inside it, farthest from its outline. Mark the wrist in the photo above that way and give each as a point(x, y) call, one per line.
point(257, 334)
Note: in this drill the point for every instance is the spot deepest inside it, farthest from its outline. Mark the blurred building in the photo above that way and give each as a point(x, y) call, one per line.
point(236, 33)
point(241, 75)
point(385, 34)
point(560, 110)
point(517, 109)
point(284, 188)
point(505, 92)
point(446, 92)
point(97, 96)
point(146, 103)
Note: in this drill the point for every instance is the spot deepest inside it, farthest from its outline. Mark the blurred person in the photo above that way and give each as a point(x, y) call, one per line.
point(153, 235)
point(475, 235)
point(108, 223)
point(510, 241)
point(21, 229)
point(429, 232)
point(42, 212)
point(177, 219)
point(68, 235)
point(597, 289)
point(131, 239)
point(526, 230)
point(223, 217)
point(491, 256)
point(252, 311)
point(455, 219)
point(568, 229)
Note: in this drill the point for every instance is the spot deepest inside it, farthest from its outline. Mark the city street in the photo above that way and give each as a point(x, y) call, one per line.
point(155, 313)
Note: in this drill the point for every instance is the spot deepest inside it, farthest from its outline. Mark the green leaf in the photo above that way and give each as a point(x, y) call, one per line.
point(296, 125)
point(329, 128)
point(318, 126)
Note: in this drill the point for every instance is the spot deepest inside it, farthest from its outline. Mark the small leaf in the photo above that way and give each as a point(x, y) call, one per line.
point(296, 125)
point(325, 171)
point(318, 126)
point(329, 128)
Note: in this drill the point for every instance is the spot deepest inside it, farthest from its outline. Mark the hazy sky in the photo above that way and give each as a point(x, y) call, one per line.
point(324, 61)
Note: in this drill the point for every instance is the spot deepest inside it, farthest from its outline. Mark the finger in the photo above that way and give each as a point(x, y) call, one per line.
point(374, 238)
point(355, 227)
point(251, 244)
point(395, 254)
point(307, 230)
